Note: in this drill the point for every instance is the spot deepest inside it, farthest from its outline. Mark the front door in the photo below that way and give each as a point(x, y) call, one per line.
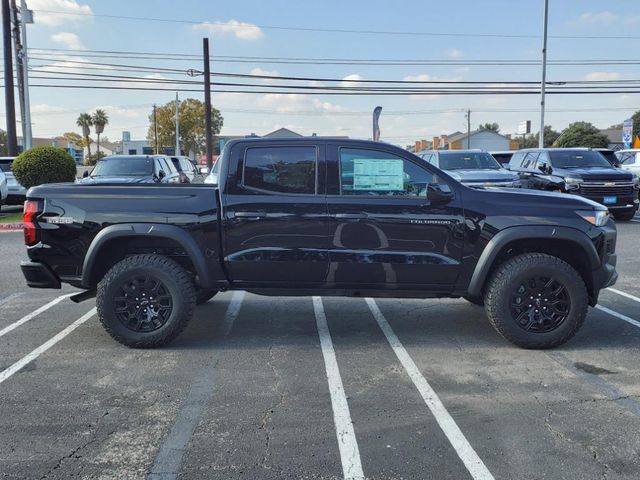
point(384, 230)
point(275, 215)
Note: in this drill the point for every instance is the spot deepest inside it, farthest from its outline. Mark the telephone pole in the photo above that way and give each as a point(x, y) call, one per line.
point(178, 152)
point(10, 107)
point(155, 129)
point(544, 73)
point(207, 103)
point(468, 116)
point(26, 16)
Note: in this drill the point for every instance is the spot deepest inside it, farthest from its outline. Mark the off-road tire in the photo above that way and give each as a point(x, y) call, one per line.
point(478, 301)
point(624, 217)
point(500, 287)
point(178, 285)
point(203, 296)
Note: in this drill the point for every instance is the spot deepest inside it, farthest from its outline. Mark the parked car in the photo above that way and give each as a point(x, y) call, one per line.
point(583, 172)
point(321, 216)
point(132, 169)
point(4, 191)
point(16, 192)
point(187, 170)
point(610, 155)
point(629, 160)
point(474, 168)
point(503, 157)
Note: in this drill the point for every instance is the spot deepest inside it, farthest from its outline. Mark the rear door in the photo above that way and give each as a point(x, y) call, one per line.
point(384, 232)
point(275, 214)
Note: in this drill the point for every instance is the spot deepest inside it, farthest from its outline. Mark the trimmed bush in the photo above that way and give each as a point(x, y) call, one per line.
point(44, 165)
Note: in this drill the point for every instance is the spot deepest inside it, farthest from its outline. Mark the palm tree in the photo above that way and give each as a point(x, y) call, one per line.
point(85, 122)
point(99, 119)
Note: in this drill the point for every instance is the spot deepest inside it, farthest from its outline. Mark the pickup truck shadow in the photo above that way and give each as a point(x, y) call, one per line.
point(291, 321)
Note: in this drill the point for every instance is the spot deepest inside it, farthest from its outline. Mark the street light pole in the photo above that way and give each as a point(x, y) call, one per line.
point(178, 152)
point(26, 16)
point(10, 106)
point(544, 73)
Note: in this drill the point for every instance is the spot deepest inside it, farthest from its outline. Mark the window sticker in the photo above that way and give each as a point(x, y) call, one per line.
point(375, 174)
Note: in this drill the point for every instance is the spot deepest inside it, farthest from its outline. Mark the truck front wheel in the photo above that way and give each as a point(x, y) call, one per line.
point(536, 300)
point(145, 301)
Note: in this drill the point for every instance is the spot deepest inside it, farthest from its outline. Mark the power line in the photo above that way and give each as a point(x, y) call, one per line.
point(341, 30)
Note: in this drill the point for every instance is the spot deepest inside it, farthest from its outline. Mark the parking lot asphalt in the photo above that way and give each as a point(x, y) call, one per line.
point(326, 388)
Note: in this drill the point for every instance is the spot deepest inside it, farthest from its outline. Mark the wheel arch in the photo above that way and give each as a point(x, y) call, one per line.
point(98, 257)
point(568, 244)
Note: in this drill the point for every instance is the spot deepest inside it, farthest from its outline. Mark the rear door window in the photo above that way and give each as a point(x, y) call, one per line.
point(281, 169)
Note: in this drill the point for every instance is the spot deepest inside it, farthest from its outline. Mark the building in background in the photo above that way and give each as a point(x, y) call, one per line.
point(60, 142)
point(614, 135)
point(482, 139)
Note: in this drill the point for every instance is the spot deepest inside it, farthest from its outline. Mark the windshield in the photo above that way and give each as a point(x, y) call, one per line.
point(467, 161)
point(123, 167)
point(577, 159)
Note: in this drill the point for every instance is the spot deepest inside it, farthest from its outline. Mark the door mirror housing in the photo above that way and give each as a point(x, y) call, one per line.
point(546, 169)
point(161, 174)
point(439, 193)
point(85, 174)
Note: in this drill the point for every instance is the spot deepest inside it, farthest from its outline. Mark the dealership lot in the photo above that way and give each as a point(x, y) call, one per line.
point(259, 387)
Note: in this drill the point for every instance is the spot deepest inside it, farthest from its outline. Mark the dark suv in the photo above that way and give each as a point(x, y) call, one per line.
point(580, 171)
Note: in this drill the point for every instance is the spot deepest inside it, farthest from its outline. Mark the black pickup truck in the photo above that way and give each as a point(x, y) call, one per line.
point(321, 216)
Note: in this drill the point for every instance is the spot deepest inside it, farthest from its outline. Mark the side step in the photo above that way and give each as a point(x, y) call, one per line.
point(82, 296)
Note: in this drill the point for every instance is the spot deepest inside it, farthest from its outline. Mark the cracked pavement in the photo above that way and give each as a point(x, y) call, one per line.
point(90, 408)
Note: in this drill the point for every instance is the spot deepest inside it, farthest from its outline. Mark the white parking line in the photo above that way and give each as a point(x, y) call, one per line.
point(5, 374)
point(33, 314)
point(624, 294)
point(463, 448)
point(630, 320)
point(347, 442)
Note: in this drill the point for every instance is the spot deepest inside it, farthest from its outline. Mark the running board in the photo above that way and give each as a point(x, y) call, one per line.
point(82, 296)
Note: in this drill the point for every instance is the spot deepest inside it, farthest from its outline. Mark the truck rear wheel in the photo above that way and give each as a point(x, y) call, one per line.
point(145, 301)
point(536, 300)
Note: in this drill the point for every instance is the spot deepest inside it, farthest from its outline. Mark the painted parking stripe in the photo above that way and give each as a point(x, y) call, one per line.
point(5, 374)
point(629, 320)
point(347, 442)
point(166, 465)
point(33, 314)
point(463, 448)
point(624, 294)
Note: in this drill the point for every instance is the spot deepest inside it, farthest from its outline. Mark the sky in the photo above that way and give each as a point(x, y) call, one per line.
point(245, 28)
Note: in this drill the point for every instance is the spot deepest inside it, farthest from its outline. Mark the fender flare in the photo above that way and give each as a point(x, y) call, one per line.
point(510, 234)
point(172, 232)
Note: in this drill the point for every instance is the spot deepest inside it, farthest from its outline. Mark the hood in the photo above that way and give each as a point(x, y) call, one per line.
point(595, 173)
point(101, 180)
point(487, 175)
point(539, 198)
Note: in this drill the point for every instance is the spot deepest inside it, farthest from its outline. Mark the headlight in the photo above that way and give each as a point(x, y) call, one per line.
point(597, 218)
point(572, 183)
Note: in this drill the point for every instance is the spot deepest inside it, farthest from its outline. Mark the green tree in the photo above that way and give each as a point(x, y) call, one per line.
point(636, 125)
point(74, 139)
point(550, 136)
point(582, 134)
point(40, 165)
point(490, 126)
point(99, 120)
point(3, 143)
point(86, 122)
point(192, 128)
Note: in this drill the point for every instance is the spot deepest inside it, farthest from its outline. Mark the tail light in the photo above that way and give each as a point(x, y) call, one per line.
point(29, 219)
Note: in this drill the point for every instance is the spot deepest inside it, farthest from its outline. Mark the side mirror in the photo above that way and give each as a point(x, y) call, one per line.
point(85, 174)
point(161, 174)
point(439, 193)
point(546, 169)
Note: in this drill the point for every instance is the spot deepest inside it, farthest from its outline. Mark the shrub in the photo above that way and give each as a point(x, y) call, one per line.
point(44, 165)
point(91, 160)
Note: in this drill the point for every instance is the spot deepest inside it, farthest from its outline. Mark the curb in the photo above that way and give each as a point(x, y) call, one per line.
point(11, 227)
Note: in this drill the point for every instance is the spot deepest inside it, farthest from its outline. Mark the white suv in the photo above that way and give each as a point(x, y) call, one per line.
point(630, 160)
point(4, 191)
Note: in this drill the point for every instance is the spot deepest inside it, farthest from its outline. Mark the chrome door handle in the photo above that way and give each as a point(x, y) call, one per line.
point(250, 215)
point(351, 216)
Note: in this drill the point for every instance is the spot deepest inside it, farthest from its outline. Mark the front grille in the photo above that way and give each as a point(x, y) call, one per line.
point(602, 189)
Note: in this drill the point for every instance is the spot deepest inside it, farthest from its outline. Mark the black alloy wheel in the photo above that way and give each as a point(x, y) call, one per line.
point(540, 304)
point(143, 303)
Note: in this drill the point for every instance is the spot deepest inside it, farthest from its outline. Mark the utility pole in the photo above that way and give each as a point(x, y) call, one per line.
point(155, 129)
point(544, 72)
point(207, 103)
point(468, 116)
point(26, 16)
point(17, 47)
point(178, 152)
point(10, 107)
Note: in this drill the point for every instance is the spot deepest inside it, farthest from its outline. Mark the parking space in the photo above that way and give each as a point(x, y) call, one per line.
point(297, 387)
